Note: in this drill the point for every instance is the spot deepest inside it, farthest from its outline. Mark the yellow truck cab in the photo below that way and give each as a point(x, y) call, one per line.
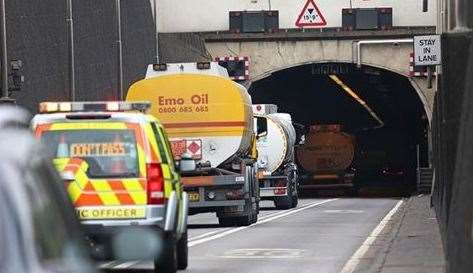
point(119, 172)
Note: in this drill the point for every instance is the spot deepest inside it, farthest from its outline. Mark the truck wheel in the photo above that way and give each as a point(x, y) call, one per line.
point(228, 221)
point(182, 252)
point(235, 221)
point(225, 221)
point(283, 203)
point(295, 201)
point(255, 216)
point(295, 195)
point(167, 261)
point(245, 220)
point(351, 192)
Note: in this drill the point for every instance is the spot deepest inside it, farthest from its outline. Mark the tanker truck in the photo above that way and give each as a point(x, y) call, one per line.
point(326, 158)
point(277, 172)
point(209, 121)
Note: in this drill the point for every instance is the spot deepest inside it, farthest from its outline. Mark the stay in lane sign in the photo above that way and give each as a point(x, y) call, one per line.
point(427, 50)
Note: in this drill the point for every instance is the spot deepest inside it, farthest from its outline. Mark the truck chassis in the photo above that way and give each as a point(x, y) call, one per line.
point(282, 189)
point(233, 196)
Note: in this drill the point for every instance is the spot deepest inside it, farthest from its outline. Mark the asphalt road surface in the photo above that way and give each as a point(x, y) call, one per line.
point(320, 235)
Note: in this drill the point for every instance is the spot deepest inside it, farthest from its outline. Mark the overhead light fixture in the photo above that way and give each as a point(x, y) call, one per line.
point(352, 93)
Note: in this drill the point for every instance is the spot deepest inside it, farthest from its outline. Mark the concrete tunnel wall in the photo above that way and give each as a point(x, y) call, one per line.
point(201, 16)
point(267, 57)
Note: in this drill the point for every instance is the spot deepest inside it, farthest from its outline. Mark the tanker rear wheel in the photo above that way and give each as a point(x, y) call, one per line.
point(228, 221)
point(285, 202)
point(251, 207)
point(352, 191)
point(290, 200)
point(295, 195)
point(295, 201)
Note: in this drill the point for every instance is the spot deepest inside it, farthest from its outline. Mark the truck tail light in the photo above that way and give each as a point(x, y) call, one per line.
point(235, 194)
point(155, 186)
point(280, 187)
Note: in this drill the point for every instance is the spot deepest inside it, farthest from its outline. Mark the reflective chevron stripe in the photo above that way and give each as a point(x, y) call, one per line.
point(96, 192)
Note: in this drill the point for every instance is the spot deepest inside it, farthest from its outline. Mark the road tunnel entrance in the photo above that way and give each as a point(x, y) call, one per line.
point(377, 109)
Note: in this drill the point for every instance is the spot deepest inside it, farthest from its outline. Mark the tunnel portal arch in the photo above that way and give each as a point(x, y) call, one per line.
point(312, 97)
point(417, 84)
point(270, 56)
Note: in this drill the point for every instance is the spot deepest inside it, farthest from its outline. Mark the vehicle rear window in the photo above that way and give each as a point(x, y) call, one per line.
point(109, 153)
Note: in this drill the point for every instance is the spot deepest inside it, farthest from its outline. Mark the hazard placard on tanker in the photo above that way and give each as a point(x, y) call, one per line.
point(178, 147)
point(191, 146)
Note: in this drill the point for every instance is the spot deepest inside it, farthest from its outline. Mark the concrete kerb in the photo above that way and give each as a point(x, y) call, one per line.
point(375, 257)
point(383, 255)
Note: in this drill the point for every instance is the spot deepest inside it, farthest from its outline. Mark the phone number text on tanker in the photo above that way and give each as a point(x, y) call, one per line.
point(198, 103)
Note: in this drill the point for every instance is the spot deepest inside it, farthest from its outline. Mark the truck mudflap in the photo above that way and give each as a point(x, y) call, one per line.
point(215, 191)
point(273, 186)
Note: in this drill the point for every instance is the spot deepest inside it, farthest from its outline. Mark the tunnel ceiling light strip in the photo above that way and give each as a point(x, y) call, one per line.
point(352, 94)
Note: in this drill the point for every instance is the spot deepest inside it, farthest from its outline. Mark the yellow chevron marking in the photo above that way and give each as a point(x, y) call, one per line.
point(152, 141)
point(74, 192)
point(142, 160)
point(134, 189)
point(105, 192)
point(166, 171)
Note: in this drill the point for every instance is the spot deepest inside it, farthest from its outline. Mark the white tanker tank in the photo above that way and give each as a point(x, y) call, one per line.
point(277, 147)
point(278, 172)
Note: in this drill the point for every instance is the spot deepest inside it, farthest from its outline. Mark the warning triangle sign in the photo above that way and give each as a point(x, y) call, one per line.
point(311, 16)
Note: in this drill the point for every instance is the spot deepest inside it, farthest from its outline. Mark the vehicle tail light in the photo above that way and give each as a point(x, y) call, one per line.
point(235, 194)
point(155, 187)
point(280, 187)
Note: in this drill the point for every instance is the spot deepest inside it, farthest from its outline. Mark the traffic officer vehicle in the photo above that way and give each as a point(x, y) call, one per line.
point(38, 230)
point(119, 172)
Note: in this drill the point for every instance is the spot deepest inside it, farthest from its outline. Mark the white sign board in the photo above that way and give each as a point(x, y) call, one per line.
point(427, 50)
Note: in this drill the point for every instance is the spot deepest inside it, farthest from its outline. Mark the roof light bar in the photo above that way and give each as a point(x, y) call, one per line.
point(203, 65)
point(113, 106)
point(160, 67)
point(65, 107)
point(94, 106)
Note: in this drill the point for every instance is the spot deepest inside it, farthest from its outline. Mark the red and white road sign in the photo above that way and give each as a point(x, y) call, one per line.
point(311, 16)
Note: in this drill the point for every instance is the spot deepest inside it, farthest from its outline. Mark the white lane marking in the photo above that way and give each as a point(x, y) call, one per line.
point(125, 265)
point(353, 262)
point(225, 229)
point(105, 265)
point(343, 211)
point(266, 220)
point(263, 253)
point(207, 234)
